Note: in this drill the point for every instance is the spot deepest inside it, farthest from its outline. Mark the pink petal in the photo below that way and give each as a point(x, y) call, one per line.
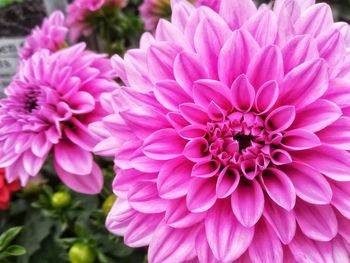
point(166, 31)
point(265, 246)
point(41, 145)
point(144, 197)
point(177, 120)
point(91, 183)
point(163, 144)
point(73, 159)
point(242, 94)
point(32, 164)
point(341, 195)
point(194, 113)
point(316, 20)
point(279, 188)
point(237, 12)
point(205, 168)
point(297, 140)
point(236, 55)
point(187, 69)
point(331, 162)
point(174, 178)
point(337, 134)
point(317, 116)
point(263, 27)
point(266, 96)
point(210, 36)
point(82, 102)
point(80, 135)
point(266, 65)
point(227, 182)
point(170, 94)
point(247, 203)
point(205, 91)
point(201, 195)
point(282, 221)
point(280, 119)
point(233, 240)
point(193, 131)
point(280, 157)
point(304, 84)
point(140, 230)
point(169, 243)
point(310, 185)
point(317, 222)
point(197, 150)
point(203, 250)
point(299, 50)
point(177, 215)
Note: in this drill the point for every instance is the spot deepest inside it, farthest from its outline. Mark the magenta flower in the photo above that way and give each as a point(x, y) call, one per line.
point(49, 105)
point(79, 11)
point(231, 138)
point(51, 36)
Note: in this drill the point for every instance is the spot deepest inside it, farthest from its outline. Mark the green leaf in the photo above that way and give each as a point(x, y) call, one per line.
point(7, 237)
point(15, 251)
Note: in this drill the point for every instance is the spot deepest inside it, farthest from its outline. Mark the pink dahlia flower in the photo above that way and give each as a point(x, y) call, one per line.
point(49, 105)
point(51, 35)
point(231, 139)
point(79, 11)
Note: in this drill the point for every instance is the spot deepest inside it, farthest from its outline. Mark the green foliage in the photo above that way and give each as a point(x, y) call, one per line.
point(6, 249)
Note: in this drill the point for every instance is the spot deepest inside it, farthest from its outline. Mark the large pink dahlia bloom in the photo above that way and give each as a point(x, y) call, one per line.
point(49, 105)
point(51, 36)
point(79, 11)
point(231, 138)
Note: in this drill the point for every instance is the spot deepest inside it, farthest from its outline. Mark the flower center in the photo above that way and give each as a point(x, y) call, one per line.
point(31, 101)
point(244, 141)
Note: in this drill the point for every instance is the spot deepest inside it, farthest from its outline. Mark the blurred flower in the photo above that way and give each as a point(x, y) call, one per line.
point(153, 10)
point(79, 11)
point(51, 35)
point(231, 137)
point(214, 4)
point(48, 107)
point(6, 189)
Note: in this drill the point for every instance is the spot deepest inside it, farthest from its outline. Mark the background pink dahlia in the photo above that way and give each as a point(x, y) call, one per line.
point(231, 137)
point(48, 107)
point(51, 36)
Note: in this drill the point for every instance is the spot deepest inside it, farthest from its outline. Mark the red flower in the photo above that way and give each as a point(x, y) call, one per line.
point(6, 189)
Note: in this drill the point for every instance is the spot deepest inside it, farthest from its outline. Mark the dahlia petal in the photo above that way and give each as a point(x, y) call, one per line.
point(140, 230)
point(72, 158)
point(166, 31)
point(82, 102)
point(266, 65)
point(203, 250)
point(317, 116)
point(118, 66)
point(119, 217)
point(196, 150)
point(315, 20)
point(279, 187)
point(227, 182)
point(40, 145)
point(297, 140)
point(280, 119)
point(317, 222)
point(337, 134)
point(90, 183)
point(201, 194)
point(242, 94)
point(194, 113)
point(126, 178)
point(168, 243)
point(177, 120)
point(334, 251)
point(341, 195)
point(263, 27)
point(163, 144)
point(32, 164)
point(145, 164)
point(304, 249)
point(215, 112)
point(236, 12)
point(266, 96)
point(206, 168)
point(181, 12)
point(304, 84)
point(144, 198)
point(247, 203)
point(193, 131)
point(282, 221)
point(265, 246)
point(233, 240)
point(160, 60)
point(322, 159)
point(310, 185)
point(188, 69)
point(178, 216)
point(339, 92)
point(170, 94)
point(205, 91)
point(174, 178)
point(214, 32)
point(80, 135)
point(235, 56)
point(280, 157)
point(298, 50)
point(343, 226)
